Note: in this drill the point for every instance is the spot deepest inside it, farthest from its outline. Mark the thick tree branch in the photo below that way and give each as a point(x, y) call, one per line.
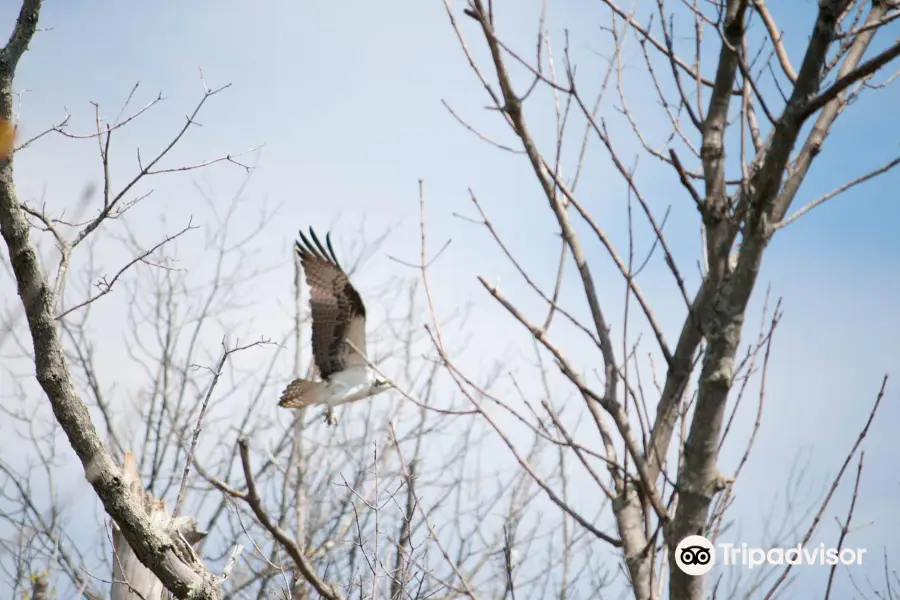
point(172, 561)
point(775, 35)
point(26, 26)
point(720, 231)
point(826, 118)
point(844, 81)
point(699, 479)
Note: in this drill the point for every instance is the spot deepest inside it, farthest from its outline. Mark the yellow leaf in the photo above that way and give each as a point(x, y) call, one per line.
point(7, 137)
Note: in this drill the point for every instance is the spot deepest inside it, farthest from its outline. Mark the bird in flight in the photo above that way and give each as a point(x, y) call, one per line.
point(338, 335)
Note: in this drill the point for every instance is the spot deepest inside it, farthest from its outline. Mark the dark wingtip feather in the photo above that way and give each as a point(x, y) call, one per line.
point(322, 250)
point(315, 248)
point(305, 247)
point(302, 245)
point(331, 250)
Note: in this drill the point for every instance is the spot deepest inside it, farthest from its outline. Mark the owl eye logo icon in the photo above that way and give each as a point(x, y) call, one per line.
point(695, 555)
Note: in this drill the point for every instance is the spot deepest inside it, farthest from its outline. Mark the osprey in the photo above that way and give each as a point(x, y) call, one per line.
point(338, 320)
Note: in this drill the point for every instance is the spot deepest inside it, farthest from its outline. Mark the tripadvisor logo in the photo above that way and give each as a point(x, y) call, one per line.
point(695, 555)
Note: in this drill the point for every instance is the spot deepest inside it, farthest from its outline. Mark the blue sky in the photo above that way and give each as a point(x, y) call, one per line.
point(347, 100)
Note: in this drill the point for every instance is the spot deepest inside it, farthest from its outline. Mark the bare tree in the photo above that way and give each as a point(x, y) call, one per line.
point(742, 135)
point(174, 563)
point(406, 498)
point(187, 405)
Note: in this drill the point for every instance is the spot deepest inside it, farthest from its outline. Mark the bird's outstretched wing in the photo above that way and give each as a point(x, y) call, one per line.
point(338, 312)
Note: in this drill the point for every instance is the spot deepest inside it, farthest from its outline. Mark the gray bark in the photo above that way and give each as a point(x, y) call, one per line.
point(767, 202)
point(171, 560)
point(716, 313)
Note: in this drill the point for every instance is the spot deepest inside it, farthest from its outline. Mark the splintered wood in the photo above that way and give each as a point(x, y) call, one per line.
point(131, 579)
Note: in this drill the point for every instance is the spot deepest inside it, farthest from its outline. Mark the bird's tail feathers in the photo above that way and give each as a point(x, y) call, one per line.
point(300, 393)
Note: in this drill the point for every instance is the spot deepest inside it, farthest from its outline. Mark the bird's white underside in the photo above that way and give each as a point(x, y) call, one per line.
point(351, 384)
